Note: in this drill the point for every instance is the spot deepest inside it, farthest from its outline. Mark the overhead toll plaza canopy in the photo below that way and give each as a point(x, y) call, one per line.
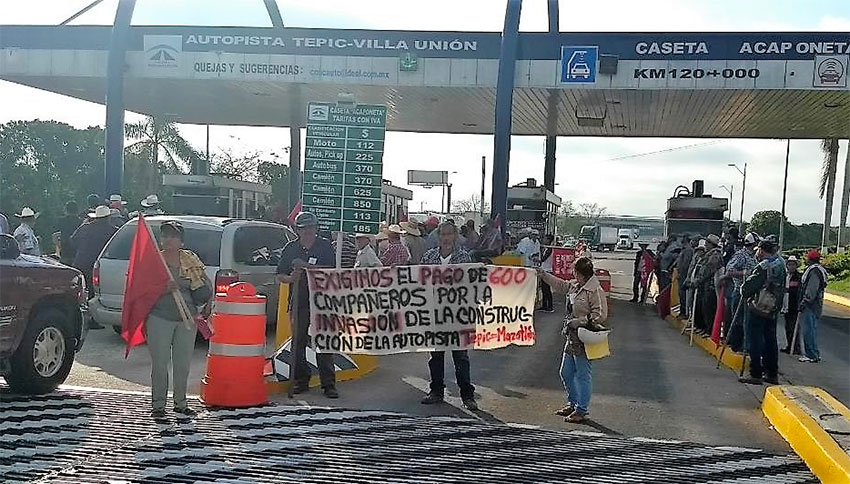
point(753, 85)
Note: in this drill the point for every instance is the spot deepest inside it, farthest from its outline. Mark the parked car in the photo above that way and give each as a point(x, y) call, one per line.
point(232, 250)
point(42, 319)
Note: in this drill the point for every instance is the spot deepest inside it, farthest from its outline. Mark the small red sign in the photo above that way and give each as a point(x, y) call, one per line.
point(563, 262)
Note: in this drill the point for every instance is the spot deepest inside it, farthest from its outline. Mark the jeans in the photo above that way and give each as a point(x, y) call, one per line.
point(436, 365)
point(764, 351)
point(810, 333)
point(684, 309)
point(547, 296)
point(577, 377)
point(169, 342)
point(324, 361)
point(736, 329)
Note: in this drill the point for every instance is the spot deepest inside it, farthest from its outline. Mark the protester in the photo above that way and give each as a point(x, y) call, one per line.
point(529, 249)
point(169, 339)
point(712, 262)
point(731, 244)
point(413, 241)
point(66, 226)
point(737, 269)
point(433, 236)
point(89, 240)
point(151, 206)
point(791, 305)
point(640, 283)
point(546, 266)
point(309, 250)
point(764, 288)
point(4, 224)
point(24, 234)
point(93, 201)
point(812, 287)
point(366, 256)
point(683, 264)
point(395, 254)
point(588, 308)
point(449, 252)
point(349, 251)
point(470, 234)
point(697, 261)
point(117, 203)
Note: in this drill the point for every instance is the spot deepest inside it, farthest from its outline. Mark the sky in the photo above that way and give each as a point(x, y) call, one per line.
point(586, 171)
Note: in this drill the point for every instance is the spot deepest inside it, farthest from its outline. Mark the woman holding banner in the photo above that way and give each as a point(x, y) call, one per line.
point(587, 308)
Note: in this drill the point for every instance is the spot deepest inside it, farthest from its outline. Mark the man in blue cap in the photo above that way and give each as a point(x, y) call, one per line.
point(309, 250)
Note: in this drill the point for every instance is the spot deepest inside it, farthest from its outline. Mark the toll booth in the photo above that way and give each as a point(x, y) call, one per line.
point(692, 211)
point(217, 195)
point(532, 206)
point(394, 202)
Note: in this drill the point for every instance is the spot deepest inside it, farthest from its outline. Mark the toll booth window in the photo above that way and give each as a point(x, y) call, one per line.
point(259, 246)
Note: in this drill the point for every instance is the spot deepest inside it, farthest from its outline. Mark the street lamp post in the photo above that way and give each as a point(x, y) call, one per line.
point(743, 194)
point(731, 190)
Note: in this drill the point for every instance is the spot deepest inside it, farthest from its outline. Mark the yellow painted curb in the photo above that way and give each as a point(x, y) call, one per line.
point(837, 299)
point(813, 444)
point(365, 363)
point(732, 360)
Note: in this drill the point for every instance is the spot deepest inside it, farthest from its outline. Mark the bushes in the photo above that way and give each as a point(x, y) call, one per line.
point(837, 264)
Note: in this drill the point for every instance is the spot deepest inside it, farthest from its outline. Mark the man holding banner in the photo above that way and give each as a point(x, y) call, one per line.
point(449, 252)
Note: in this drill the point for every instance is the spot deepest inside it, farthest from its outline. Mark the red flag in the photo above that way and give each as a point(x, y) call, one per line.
point(648, 267)
point(294, 213)
point(718, 316)
point(147, 279)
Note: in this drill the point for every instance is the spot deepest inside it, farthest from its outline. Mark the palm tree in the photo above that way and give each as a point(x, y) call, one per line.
point(162, 145)
point(845, 202)
point(829, 167)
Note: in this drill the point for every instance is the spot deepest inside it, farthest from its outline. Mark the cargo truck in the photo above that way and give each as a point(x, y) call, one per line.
point(599, 237)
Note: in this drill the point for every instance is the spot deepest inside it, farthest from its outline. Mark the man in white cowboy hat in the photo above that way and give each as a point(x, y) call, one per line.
point(413, 240)
point(25, 235)
point(396, 254)
point(366, 256)
point(151, 206)
point(529, 248)
point(90, 238)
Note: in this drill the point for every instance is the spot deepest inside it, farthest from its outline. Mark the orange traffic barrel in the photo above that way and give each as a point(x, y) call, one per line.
point(236, 356)
point(604, 279)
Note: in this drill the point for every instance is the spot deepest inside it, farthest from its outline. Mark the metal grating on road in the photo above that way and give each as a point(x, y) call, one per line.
point(82, 436)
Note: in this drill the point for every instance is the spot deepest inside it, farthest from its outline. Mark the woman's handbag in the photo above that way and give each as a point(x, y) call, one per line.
point(595, 343)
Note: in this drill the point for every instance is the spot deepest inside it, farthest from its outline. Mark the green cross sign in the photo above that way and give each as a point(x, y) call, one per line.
point(343, 165)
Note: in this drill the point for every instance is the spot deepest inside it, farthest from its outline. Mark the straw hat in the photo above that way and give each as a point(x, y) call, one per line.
point(117, 198)
point(396, 228)
point(101, 211)
point(27, 212)
point(410, 228)
point(362, 235)
point(150, 201)
point(713, 239)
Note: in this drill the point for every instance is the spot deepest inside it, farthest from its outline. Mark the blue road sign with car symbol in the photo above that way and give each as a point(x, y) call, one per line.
point(578, 63)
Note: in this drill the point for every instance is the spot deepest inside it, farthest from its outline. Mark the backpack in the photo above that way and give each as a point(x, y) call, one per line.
point(766, 302)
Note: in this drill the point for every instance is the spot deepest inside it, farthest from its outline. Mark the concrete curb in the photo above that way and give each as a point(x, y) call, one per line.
point(786, 409)
point(837, 299)
point(731, 360)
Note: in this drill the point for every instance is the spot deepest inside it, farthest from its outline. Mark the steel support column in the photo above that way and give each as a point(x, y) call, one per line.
point(551, 141)
point(504, 101)
point(115, 67)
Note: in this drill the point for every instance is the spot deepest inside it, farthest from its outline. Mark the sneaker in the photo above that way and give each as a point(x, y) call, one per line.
point(576, 417)
point(469, 404)
point(750, 380)
point(771, 381)
point(806, 359)
point(185, 411)
point(330, 392)
point(158, 413)
point(300, 388)
point(432, 398)
point(786, 350)
point(566, 411)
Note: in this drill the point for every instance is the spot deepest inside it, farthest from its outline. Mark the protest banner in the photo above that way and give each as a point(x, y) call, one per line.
point(563, 262)
point(401, 309)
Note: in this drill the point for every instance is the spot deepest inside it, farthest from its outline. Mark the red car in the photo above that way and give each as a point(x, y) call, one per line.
point(42, 319)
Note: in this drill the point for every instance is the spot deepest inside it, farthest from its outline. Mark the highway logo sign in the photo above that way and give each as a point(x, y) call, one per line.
point(578, 64)
point(344, 165)
point(163, 50)
point(830, 71)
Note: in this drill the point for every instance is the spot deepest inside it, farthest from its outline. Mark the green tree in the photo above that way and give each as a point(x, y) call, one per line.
point(161, 144)
point(276, 175)
point(44, 164)
point(766, 222)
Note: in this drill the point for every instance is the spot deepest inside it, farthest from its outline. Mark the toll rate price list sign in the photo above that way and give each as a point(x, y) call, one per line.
point(344, 164)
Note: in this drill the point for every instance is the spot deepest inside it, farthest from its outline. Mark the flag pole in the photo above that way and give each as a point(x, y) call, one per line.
point(293, 324)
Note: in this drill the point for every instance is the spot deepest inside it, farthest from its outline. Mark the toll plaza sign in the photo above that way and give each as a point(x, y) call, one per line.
point(343, 165)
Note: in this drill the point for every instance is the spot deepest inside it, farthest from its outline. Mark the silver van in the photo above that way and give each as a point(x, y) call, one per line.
point(232, 250)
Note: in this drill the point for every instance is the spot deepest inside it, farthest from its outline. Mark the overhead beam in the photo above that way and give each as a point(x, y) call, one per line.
point(85, 9)
point(115, 67)
point(504, 103)
point(274, 13)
